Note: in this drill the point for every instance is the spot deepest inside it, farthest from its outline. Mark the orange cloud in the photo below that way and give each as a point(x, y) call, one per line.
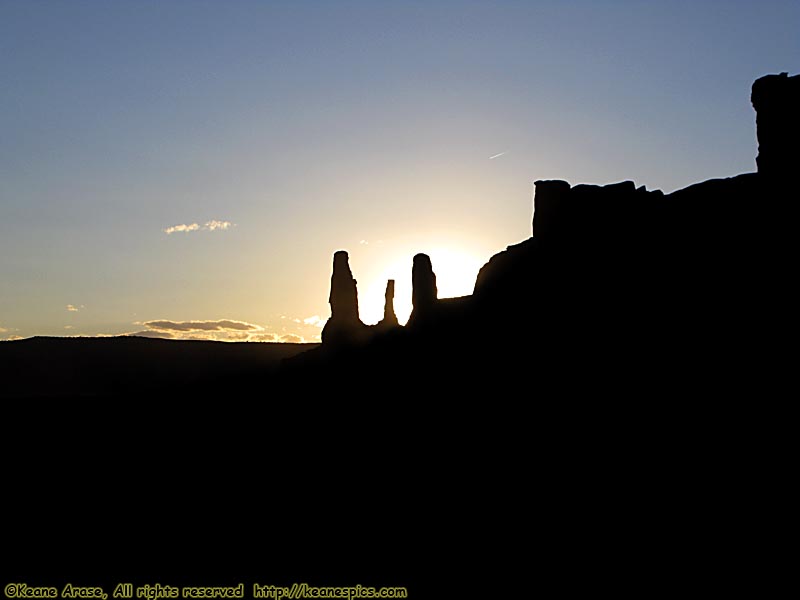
point(263, 337)
point(221, 325)
point(315, 320)
point(222, 330)
point(291, 338)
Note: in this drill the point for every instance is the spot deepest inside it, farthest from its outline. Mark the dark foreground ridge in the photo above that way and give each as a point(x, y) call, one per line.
point(135, 367)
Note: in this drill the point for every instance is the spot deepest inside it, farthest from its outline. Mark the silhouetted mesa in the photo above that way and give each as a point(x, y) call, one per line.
point(344, 326)
point(549, 194)
point(776, 99)
point(617, 284)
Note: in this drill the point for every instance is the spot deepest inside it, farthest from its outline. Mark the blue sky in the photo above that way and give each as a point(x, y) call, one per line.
point(301, 128)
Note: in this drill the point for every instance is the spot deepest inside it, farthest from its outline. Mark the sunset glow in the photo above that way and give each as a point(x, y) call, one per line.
point(173, 162)
point(455, 268)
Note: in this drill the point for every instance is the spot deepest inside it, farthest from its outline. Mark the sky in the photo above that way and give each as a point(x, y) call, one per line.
point(187, 169)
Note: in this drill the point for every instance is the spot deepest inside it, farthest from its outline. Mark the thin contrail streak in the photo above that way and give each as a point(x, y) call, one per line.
point(497, 155)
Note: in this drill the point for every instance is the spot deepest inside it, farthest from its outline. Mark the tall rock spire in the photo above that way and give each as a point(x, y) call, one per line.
point(344, 326)
point(424, 296)
point(389, 317)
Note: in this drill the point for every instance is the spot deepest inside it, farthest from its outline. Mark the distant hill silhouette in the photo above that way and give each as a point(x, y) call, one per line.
point(135, 367)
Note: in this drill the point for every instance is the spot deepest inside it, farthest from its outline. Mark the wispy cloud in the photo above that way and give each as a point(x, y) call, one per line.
point(207, 226)
point(314, 320)
point(182, 228)
point(221, 325)
point(10, 337)
point(498, 155)
point(291, 338)
point(214, 225)
point(263, 337)
point(73, 308)
point(226, 330)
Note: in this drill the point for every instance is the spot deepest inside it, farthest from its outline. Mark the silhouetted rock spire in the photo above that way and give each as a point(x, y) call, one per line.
point(775, 99)
point(344, 294)
point(345, 325)
point(424, 295)
point(423, 279)
point(389, 317)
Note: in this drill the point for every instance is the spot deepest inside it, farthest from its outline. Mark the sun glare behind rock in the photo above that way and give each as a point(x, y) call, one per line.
point(455, 270)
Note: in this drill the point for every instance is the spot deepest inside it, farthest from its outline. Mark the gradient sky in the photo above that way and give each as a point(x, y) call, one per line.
point(288, 130)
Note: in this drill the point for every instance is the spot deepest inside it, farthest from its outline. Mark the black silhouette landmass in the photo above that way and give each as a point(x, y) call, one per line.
point(619, 290)
point(618, 286)
point(588, 416)
point(136, 367)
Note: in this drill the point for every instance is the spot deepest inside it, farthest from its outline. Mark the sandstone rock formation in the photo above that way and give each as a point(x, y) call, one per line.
point(775, 99)
point(621, 286)
point(389, 317)
point(547, 199)
point(345, 325)
point(424, 294)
